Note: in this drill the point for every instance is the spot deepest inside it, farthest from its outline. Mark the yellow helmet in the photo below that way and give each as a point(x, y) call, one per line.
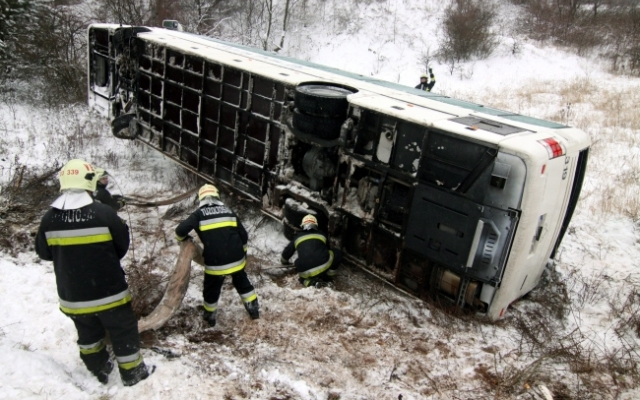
point(424, 76)
point(207, 190)
point(309, 219)
point(78, 174)
point(100, 173)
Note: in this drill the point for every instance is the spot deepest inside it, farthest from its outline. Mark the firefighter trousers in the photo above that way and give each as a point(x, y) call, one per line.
point(119, 323)
point(213, 287)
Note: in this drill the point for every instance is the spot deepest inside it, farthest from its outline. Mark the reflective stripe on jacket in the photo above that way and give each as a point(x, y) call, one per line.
point(86, 245)
point(313, 254)
point(223, 236)
point(89, 307)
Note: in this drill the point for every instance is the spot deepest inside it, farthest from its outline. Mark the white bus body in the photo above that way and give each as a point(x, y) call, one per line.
point(440, 197)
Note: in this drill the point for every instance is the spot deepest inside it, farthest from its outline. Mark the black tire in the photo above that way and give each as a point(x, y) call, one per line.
point(323, 100)
point(121, 127)
point(294, 211)
point(320, 127)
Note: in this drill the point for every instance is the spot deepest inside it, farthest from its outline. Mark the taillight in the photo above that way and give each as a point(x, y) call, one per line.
point(554, 148)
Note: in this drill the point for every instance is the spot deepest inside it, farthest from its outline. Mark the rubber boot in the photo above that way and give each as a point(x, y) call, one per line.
point(103, 374)
point(133, 376)
point(253, 308)
point(210, 317)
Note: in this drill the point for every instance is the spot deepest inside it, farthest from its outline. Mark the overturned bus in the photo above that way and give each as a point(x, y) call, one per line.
point(438, 196)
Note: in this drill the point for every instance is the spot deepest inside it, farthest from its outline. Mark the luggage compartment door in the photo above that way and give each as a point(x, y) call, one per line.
point(467, 237)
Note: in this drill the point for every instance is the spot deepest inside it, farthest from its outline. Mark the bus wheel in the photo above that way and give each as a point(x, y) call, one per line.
point(323, 100)
point(124, 126)
point(320, 127)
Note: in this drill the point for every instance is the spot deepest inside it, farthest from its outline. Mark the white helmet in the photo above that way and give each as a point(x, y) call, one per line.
point(308, 221)
point(207, 190)
point(78, 174)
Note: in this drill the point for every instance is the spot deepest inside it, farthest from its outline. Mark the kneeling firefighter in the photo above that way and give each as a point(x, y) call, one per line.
point(316, 263)
point(85, 240)
point(225, 245)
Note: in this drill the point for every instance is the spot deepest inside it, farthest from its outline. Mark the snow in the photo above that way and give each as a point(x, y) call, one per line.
point(362, 339)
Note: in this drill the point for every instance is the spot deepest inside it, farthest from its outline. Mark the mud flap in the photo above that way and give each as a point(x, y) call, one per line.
point(176, 288)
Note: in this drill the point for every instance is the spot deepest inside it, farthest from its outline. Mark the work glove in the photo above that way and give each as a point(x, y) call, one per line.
point(430, 70)
point(284, 261)
point(120, 200)
point(184, 239)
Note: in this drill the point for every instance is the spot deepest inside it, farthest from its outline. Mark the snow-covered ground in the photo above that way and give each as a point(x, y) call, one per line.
point(577, 336)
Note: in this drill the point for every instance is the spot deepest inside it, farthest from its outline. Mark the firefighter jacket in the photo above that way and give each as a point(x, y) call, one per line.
point(427, 86)
point(104, 196)
point(222, 235)
point(314, 257)
point(86, 245)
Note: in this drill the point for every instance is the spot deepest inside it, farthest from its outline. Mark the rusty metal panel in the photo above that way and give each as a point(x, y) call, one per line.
point(217, 120)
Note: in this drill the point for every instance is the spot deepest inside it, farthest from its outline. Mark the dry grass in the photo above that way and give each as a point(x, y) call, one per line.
point(553, 347)
point(550, 335)
point(608, 115)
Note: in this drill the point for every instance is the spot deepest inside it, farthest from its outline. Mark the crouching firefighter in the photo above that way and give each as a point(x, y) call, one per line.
point(86, 240)
point(225, 246)
point(103, 195)
point(316, 263)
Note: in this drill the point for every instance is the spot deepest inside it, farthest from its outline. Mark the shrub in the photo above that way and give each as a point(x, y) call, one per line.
point(611, 28)
point(466, 31)
point(50, 54)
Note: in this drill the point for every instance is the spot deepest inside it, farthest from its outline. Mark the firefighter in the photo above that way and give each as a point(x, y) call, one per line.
point(86, 240)
point(103, 195)
point(225, 246)
point(316, 263)
point(424, 85)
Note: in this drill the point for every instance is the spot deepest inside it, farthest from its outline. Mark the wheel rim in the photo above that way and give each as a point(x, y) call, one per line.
point(325, 91)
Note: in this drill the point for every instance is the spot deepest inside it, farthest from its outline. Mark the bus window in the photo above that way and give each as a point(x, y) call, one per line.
point(102, 71)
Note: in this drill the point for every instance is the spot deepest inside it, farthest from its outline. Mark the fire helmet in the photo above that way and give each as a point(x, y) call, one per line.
point(424, 76)
point(78, 174)
point(207, 190)
point(309, 220)
point(101, 173)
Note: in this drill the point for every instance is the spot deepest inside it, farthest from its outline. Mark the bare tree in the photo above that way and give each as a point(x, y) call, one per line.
point(52, 55)
point(268, 7)
point(425, 59)
point(204, 16)
point(13, 15)
point(125, 12)
point(284, 25)
point(257, 23)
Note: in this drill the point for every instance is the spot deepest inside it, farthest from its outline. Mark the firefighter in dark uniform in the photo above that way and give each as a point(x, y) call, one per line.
point(225, 246)
point(86, 240)
point(316, 263)
point(427, 82)
point(103, 195)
